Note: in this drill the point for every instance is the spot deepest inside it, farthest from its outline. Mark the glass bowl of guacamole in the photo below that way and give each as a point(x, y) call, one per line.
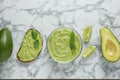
point(64, 45)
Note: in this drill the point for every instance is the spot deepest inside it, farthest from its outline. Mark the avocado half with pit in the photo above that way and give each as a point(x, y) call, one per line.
point(31, 46)
point(110, 45)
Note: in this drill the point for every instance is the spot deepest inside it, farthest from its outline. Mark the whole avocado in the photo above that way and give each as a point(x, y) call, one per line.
point(6, 44)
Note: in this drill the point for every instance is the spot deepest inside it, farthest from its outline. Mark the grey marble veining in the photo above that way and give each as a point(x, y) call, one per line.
point(46, 16)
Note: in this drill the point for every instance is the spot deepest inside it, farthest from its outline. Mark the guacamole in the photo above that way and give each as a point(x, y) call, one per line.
point(28, 52)
point(59, 45)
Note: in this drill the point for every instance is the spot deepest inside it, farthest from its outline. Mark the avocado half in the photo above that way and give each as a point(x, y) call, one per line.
point(28, 52)
point(110, 45)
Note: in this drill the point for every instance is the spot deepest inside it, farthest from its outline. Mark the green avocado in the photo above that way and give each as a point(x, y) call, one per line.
point(6, 44)
point(31, 46)
point(110, 45)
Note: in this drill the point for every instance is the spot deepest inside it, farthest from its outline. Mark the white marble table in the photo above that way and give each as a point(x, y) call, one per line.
point(47, 15)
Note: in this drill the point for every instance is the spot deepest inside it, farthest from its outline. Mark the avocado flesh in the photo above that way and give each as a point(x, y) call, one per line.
point(6, 44)
point(110, 45)
point(28, 52)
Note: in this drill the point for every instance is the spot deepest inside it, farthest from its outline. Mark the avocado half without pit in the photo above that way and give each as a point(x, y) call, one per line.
point(31, 46)
point(110, 45)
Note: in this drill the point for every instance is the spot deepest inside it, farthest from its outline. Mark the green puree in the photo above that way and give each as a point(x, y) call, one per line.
point(27, 51)
point(59, 45)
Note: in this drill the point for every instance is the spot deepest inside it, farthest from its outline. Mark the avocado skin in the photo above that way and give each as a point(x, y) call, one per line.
point(103, 45)
point(6, 44)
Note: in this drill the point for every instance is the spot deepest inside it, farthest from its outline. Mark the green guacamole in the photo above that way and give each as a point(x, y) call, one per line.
point(27, 51)
point(59, 45)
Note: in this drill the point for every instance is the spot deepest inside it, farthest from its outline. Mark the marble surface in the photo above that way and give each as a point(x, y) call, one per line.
point(47, 15)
